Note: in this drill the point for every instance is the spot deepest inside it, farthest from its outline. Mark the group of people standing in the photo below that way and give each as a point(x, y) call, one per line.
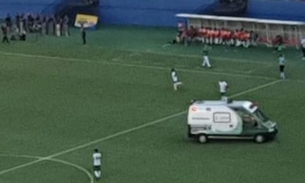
point(18, 27)
point(208, 35)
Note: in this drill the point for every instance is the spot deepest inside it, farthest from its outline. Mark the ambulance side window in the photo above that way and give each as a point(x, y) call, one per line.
point(247, 118)
point(239, 112)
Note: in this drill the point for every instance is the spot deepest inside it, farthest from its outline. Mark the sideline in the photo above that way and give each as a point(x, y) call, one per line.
point(127, 131)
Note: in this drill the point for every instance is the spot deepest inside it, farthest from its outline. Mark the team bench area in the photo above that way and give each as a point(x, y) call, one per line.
point(239, 31)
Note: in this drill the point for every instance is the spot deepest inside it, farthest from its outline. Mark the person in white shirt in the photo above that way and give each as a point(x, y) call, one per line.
point(97, 162)
point(303, 48)
point(175, 79)
point(282, 62)
point(223, 85)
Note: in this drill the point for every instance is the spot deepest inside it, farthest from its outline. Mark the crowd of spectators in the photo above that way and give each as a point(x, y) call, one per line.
point(19, 26)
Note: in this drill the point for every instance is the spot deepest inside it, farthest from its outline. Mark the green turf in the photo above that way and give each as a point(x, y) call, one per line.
point(57, 94)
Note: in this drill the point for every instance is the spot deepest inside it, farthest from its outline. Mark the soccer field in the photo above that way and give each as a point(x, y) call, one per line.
point(60, 100)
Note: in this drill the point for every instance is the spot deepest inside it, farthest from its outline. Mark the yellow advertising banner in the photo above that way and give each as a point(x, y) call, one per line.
point(86, 20)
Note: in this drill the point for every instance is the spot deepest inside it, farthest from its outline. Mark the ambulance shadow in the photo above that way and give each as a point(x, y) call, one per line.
point(230, 141)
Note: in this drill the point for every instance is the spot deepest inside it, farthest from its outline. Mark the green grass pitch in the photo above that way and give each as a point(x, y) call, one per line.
point(60, 100)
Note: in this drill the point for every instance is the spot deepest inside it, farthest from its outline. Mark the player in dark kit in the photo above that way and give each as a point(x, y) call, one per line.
point(4, 32)
point(282, 63)
point(303, 48)
point(83, 32)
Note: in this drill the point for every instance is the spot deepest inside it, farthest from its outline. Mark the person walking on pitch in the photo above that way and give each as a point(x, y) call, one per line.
point(282, 63)
point(97, 162)
point(206, 60)
point(223, 86)
point(175, 79)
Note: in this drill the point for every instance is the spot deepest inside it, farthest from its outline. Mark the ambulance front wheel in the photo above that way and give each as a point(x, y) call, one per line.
point(259, 138)
point(202, 139)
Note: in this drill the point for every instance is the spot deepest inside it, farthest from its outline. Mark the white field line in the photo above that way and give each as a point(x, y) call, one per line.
point(88, 174)
point(260, 68)
point(256, 88)
point(166, 45)
point(298, 81)
point(199, 57)
point(92, 142)
point(233, 72)
point(203, 71)
point(20, 166)
point(75, 166)
point(238, 60)
point(127, 131)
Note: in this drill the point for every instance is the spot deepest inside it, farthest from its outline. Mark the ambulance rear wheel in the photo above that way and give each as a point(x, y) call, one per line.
point(202, 139)
point(259, 138)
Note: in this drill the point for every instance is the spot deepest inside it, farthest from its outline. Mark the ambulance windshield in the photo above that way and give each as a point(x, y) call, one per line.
point(261, 115)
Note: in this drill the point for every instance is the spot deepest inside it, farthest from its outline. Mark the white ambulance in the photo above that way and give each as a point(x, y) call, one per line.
point(229, 120)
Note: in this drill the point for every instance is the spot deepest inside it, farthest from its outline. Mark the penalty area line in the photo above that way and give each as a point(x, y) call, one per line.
point(88, 174)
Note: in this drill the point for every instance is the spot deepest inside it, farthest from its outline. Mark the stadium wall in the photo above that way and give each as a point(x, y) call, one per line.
point(24, 6)
point(161, 12)
point(147, 12)
point(280, 9)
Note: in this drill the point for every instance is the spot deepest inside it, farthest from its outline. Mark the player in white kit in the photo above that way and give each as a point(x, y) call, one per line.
point(175, 79)
point(223, 85)
point(97, 162)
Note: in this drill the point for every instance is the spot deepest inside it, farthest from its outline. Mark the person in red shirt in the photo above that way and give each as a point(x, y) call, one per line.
point(216, 36)
point(242, 37)
point(190, 35)
point(239, 37)
point(222, 36)
point(234, 37)
point(202, 33)
point(246, 39)
point(226, 36)
point(212, 35)
point(208, 35)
